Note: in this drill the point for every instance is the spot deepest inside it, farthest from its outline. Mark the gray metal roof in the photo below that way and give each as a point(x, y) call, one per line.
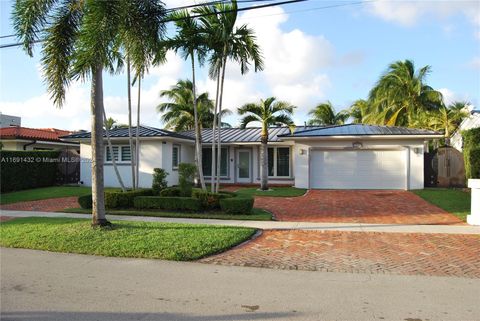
point(360, 130)
point(246, 135)
point(144, 131)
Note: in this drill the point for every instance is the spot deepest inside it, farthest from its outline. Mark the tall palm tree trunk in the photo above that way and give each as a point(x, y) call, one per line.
point(264, 159)
point(219, 142)
point(110, 147)
point(130, 138)
point(98, 197)
point(198, 146)
point(137, 135)
point(214, 125)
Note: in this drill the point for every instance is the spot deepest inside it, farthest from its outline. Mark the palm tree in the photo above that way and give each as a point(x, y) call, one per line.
point(178, 114)
point(446, 119)
point(81, 39)
point(190, 42)
point(401, 93)
point(360, 112)
point(324, 114)
point(269, 113)
point(110, 123)
point(226, 41)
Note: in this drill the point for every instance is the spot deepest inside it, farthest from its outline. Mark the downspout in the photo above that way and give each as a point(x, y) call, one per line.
point(25, 146)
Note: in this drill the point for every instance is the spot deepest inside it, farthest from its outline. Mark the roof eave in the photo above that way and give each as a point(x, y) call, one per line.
point(404, 136)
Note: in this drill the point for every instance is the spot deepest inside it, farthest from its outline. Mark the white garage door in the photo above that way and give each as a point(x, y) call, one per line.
point(364, 169)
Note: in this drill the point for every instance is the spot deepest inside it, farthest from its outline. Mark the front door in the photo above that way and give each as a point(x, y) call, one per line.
point(244, 166)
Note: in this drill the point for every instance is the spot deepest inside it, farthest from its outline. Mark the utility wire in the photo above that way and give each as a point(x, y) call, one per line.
point(169, 10)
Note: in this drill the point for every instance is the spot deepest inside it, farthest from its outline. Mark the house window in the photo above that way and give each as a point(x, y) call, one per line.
point(279, 161)
point(175, 156)
point(121, 154)
point(207, 161)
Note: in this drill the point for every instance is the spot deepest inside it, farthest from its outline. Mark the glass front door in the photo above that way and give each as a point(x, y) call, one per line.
point(244, 166)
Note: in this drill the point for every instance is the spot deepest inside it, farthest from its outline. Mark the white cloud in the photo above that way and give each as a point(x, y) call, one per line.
point(475, 63)
point(408, 13)
point(296, 66)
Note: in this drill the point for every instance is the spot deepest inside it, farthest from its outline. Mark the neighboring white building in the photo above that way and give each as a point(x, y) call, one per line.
point(468, 123)
point(352, 156)
point(7, 121)
point(23, 138)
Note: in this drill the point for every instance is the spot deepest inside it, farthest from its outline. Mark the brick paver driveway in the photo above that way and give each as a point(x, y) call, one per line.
point(359, 252)
point(382, 207)
point(47, 205)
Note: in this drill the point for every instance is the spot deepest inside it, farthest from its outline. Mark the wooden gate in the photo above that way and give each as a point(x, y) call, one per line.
point(444, 167)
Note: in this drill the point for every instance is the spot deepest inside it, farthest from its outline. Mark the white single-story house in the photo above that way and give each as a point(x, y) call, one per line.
point(351, 156)
point(473, 121)
point(23, 138)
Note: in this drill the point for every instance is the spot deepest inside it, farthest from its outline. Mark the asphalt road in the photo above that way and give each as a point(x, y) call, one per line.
point(43, 286)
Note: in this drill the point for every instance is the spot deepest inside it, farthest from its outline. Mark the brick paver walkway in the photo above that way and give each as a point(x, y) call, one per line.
point(47, 205)
point(359, 252)
point(334, 206)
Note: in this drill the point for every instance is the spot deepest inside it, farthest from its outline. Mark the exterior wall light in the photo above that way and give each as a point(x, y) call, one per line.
point(357, 145)
point(303, 151)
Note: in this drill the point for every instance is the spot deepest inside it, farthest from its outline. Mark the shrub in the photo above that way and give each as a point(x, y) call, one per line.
point(186, 175)
point(471, 142)
point(85, 201)
point(168, 203)
point(237, 205)
point(170, 191)
point(124, 199)
point(159, 180)
point(21, 170)
point(210, 200)
point(473, 159)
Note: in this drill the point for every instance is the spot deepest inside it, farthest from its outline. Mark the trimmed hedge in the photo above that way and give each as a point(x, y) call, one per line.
point(85, 201)
point(473, 159)
point(210, 200)
point(124, 199)
point(159, 181)
point(471, 143)
point(115, 199)
point(237, 205)
point(170, 191)
point(168, 203)
point(21, 170)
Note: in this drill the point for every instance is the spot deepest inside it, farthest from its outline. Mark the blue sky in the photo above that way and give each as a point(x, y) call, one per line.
point(311, 54)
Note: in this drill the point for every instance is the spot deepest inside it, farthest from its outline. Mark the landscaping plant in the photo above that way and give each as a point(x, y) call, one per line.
point(159, 180)
point(186, 175)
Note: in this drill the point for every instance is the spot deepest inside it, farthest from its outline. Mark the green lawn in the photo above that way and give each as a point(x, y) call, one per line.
point(179, 242)
point(43, 193)
point(274, 191)
point(257, 214)
point(454, 201)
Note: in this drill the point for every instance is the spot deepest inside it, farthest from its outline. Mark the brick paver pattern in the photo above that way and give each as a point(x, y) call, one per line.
point(47, 205)
point(359, 252)
point(335, 206)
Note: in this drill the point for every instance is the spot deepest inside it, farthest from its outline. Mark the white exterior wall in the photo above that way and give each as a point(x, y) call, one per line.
point(153, 154)
point(302, 151)
point(18, 145)
point(255, 163)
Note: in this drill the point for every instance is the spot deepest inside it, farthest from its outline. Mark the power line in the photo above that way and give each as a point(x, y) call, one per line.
point(169, 10)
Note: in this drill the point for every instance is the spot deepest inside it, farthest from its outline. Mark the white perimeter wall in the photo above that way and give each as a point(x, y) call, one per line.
point(301, 161)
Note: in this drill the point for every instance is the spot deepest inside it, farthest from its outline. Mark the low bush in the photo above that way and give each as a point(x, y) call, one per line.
point(85, 201)
point(124, 199)
point(170, 191)
point(471, 142)
point(159, 180)
point(168, 203)
point(186, 175)
point(210, 201)
point(237, 205)
point(474, 163)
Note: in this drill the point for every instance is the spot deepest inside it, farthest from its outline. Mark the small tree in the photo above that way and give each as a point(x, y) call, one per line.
point(159, 180)
point(186, 175)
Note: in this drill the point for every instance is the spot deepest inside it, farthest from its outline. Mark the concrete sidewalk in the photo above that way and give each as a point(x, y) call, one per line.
point(274, 225)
